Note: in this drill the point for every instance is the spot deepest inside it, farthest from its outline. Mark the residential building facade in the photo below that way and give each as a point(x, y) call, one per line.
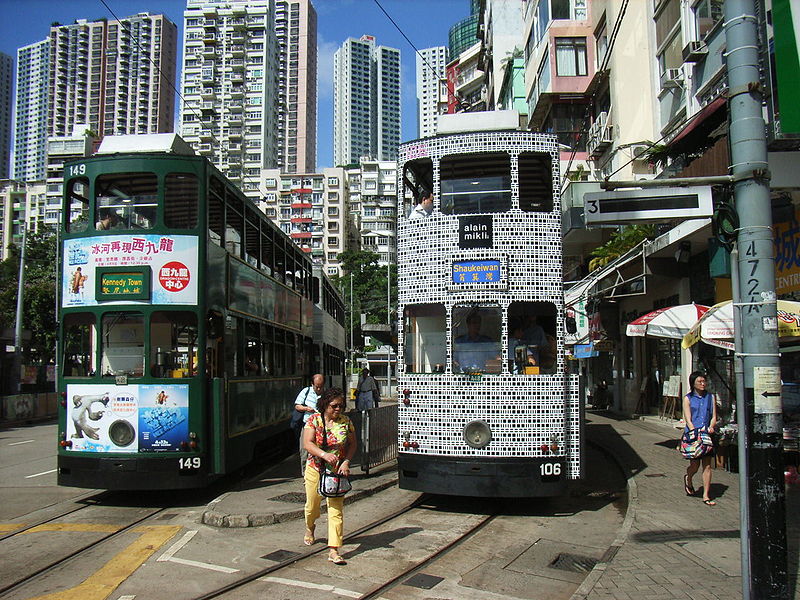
point(312, 208)
point(229, 87)
point(373, 204)
point(30, 117)
point(366, 105)
point(6, 109)
point(430, 80)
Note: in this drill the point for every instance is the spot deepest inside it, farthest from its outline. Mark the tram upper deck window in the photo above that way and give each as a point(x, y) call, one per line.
point(532, 344)
point(535, 182)
point(417, 178)
point(476, 339)
point(173, 344)
point(78, 203)
point(79, 335)
point(122, 339)
point(475, 183)
point(126, 201)
point(180, 201)
point(425, 332)
point(216, 210)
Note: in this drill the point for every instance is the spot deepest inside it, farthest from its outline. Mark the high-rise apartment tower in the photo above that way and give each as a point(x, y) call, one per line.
point(30, 120)
point(366, 104)
point(430, 75)
point(6, 69)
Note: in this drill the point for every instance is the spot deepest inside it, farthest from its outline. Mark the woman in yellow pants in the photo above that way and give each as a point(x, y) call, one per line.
point(339, 448)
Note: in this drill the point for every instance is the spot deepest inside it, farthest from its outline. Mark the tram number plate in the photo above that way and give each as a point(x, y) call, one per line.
point(189, 463)
point(550, 471)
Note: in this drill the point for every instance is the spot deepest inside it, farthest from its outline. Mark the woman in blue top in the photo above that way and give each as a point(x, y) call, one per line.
point(699, 412)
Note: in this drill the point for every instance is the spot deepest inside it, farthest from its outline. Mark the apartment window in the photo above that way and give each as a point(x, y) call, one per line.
point(333, 242)
point(707, 13)
point(571, 57)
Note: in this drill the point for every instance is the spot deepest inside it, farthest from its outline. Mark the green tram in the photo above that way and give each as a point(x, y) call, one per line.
point(187, 324)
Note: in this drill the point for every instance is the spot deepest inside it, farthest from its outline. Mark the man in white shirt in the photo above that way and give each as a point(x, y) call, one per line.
point(424, 209)
point(306, 403)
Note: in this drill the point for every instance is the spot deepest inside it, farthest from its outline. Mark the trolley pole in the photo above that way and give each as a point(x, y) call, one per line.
point(758, 333)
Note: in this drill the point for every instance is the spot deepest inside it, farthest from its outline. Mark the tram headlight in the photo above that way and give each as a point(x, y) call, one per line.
point(477, 434)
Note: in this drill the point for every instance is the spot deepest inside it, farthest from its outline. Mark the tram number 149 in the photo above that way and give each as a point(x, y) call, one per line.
point(550, 470)
point(189, 462)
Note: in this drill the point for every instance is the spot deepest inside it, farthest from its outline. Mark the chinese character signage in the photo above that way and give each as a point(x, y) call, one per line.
point(476, 271)
point(475, 231)
point(170, 259)
point(787, 255)
point(127, 418)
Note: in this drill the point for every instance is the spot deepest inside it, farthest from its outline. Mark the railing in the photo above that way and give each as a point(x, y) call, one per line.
point(376, 432)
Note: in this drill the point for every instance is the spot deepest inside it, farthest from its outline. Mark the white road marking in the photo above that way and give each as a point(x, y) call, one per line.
point(176, 546)
point(194, 563)
point(42, 473)
point(25, 442)
point(312, 586)
point(169, 555)
point(129, 597)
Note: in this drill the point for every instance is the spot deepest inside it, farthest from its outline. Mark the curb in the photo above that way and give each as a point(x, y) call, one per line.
point(586, 587)
point(215, 518)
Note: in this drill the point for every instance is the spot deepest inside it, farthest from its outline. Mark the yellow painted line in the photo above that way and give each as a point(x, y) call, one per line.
point(5, 527)
point(72, 527)
point(103, 582)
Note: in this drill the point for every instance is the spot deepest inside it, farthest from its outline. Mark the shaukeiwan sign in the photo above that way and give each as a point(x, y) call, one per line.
point(648, 205)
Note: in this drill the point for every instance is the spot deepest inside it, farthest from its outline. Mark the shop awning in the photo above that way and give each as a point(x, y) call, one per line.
point(701, 123)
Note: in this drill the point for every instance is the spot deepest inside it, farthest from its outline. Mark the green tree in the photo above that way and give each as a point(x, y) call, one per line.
point(39, 301)
point(621, 241)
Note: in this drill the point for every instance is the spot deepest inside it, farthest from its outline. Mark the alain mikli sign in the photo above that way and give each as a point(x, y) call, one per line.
point(648, 205)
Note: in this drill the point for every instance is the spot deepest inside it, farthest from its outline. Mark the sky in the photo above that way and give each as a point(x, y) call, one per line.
point(424, 22)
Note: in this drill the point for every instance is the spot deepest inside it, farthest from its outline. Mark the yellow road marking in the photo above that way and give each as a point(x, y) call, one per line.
point(4, 527)
point(103, 582)
point(70, 527)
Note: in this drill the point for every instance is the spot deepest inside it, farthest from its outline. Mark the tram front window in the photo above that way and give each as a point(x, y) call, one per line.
point(173, 344)
point(78, 205)
point(476, 339)
point(126, 201)
point(475, 183)
point(531, 338)
point(425, 333)
point(122, 337)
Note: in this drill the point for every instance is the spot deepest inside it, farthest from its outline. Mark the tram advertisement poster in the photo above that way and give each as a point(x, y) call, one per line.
point(172, 260)
point(128, 418)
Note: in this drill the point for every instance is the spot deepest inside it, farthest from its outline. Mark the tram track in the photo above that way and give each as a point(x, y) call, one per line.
point(28, 526)
point(13, 586)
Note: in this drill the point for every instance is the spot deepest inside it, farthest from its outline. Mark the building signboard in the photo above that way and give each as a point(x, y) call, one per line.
point(648, 205)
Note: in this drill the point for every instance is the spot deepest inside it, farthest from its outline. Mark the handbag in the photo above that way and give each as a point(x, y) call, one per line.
point(298, 416)
point(695, 443)
point(331, 485)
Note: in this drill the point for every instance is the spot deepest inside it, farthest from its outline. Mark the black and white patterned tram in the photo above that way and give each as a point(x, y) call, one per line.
point(486, 407)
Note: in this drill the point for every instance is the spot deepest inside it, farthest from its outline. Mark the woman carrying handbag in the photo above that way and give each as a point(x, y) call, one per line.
point(700, 416)
point(329, 438)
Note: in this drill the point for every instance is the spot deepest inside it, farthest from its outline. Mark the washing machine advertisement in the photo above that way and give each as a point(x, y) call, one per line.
point(127, 418)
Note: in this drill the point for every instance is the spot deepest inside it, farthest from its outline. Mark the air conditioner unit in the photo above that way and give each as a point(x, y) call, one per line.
point(694, 51)
point(638, 151)
point(672, 78)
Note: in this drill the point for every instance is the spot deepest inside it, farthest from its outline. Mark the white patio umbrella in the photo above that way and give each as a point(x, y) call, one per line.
point(672, 322)
point(716, 326)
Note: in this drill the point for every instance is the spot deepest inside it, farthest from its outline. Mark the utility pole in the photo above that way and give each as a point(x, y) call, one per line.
point(758, 335)
point(20, 305)
point(389, 323)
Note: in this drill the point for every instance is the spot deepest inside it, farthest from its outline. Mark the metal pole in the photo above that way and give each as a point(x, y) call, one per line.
point(389, 323)
point(759, 326)
point(20, 305)
point(744, 427)
point(352, 366)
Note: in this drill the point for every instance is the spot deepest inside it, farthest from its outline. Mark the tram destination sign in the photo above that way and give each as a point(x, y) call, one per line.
point(118, 284)
point(648, 205)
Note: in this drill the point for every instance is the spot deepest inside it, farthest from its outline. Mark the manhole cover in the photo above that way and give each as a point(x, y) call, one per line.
point(573, 562)
point(280, 555)
point(297, 497)
point(423, 581)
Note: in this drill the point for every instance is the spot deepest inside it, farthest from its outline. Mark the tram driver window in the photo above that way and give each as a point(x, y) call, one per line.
point(532, 348)
point(79, 335)
point(475, 183)
point(122, 338)
point(535, 182)
point(125, 201)
point(78, 205)
point(425, 338)
point(173, 344)
point(417, 178)
point(476, 339)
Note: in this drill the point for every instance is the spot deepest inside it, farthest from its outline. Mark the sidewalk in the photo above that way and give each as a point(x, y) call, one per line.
point(670, 545)
point(278, 495)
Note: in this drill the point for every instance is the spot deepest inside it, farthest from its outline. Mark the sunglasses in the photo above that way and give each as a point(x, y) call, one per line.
point(336, 405)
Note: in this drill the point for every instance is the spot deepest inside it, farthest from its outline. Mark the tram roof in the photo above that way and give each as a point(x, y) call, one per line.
point(170, 143)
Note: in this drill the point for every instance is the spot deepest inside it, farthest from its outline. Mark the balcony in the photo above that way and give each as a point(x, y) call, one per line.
point(599, 136)
point(301, 220)
point(300, 235)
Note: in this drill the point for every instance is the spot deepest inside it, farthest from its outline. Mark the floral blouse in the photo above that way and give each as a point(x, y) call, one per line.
point(337, 435)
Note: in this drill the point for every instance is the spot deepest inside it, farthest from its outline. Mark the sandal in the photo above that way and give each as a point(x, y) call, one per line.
point(687, 487)
point(308, 538)
point(337, 559)
point(709, 502)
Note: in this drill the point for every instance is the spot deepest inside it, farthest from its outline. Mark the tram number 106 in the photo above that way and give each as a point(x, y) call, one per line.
point(550, 470)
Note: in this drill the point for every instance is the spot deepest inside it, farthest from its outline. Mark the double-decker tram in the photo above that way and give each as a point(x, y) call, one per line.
point(486, 406)
point(186, 323)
